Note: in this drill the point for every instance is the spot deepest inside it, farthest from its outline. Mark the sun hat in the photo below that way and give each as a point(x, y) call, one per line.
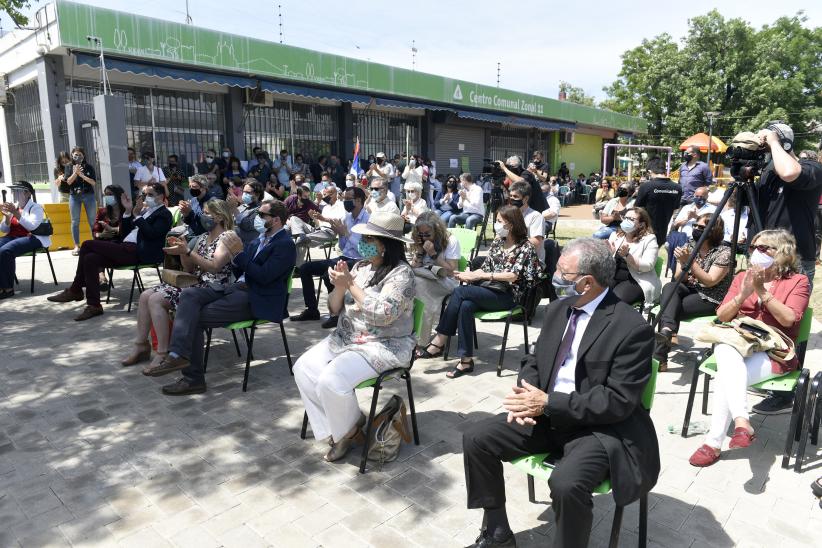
point(382, 224)
point(381, 155)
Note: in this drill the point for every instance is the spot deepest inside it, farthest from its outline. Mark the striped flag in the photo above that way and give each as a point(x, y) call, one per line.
point(355, 165)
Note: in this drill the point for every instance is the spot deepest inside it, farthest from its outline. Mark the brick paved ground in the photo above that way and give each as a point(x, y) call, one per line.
point(92, 453)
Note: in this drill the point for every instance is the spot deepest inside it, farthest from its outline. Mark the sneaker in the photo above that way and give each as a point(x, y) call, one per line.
point(330, 323)
point(775, 404)
point(307, 315)
point(183, 388)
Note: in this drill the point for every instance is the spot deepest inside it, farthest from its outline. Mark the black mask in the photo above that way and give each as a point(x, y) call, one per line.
point(697, 234)
point(516, 203)
point(622, 192)
point(348, 205)
point(327, 199)
point(687, 156)
point(195, 192)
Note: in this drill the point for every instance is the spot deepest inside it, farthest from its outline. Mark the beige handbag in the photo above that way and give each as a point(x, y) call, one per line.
point(748, 335)
point(390, 429)
point(178, 278)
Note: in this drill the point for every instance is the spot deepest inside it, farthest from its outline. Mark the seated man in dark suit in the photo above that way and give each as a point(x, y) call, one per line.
point(577, 397)
point(260, 292)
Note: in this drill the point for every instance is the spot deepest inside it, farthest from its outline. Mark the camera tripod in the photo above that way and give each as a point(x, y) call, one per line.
point(742, 183)
point(496, 201)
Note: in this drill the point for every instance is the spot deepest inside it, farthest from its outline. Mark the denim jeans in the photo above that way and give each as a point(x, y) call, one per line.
point(10, 249)
point(604, 233)
point(89, 201)
point(808, 268)
point(445, 215)
point(470, 220)
point(458, 317)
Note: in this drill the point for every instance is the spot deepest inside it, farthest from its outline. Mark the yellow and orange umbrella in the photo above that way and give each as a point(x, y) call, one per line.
point(701, 140)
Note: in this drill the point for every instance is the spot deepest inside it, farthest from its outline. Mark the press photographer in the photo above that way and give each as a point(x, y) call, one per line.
point(514, 173)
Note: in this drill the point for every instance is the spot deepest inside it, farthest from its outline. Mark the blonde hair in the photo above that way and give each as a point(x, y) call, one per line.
point(646, 220)
point(786, 259)
point(220, 211)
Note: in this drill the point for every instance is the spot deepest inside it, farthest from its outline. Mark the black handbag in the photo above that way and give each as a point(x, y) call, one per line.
point(45, 228)
point(496, 286)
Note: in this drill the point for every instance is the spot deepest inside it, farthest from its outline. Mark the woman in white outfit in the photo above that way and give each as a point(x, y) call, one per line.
point(375, 304)
point(635, 250)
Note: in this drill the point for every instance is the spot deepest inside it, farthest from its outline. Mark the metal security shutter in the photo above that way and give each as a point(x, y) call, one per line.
point(447, 146)
point(508, 142)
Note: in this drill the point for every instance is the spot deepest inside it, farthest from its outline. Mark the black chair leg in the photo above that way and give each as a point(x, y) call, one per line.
point(131, 294)
point(287, 351)
point(810, 407)
point(817, 417)
point(245, 336)
point(236, 343)
point(207, 349)
point(407, 376)
point(706, 387)
point(304, 429)
point(690, 406)
point(248, 358)
point(643, 521)
point(615, 526)
point(33, 259)
point(504, 343)
point(525, 332)
point(51, 266)
point(110, 284)
point(797, 413)
point(532, 497)
point(369, 425)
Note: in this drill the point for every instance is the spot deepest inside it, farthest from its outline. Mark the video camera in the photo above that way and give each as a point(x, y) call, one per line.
point(493, 170)
point(748, 157)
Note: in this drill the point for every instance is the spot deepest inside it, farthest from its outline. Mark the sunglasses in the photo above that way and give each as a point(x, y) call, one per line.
point(375, 188)
point(762, 248)
point(701, 227)
point(424, 234)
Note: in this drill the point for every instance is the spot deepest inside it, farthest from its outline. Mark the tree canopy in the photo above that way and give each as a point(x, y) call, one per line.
point(724, 65)
point(574, 94)
point(14, 10)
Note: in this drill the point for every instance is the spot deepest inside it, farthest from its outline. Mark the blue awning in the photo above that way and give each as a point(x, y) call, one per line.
point(159, 71)
point(383, 102)
point(314, 93)
point(517, 121)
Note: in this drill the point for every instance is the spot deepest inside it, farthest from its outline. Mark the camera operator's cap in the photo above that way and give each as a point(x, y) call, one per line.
point(381, 155)
point(784, 132)
point(383, 224)
point(747, 140)
point(514, 161)
point(22, 185)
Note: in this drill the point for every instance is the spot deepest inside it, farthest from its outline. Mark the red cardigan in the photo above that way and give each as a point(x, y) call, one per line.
point(792, 291)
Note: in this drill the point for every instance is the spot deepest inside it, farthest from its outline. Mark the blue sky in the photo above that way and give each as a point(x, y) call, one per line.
point(537, 43)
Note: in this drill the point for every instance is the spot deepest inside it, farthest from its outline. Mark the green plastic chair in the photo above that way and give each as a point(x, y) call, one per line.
point(136, 279)
point(658, 269)
point(467, 239)
point(376, 383)
point(536, 468)
point(33, 255)
point(797, 379)
point(249, 327)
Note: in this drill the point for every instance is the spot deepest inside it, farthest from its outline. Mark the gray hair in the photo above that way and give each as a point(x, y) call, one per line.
point(513, 161)
point(595, 259)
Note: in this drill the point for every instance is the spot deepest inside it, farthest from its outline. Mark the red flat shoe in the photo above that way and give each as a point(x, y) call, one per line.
point(741, 438)
point(704, 456)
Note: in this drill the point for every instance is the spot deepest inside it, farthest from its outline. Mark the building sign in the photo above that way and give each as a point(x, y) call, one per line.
point(143, 38)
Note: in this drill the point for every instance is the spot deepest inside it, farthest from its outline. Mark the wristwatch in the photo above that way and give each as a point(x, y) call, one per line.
point(545, 412)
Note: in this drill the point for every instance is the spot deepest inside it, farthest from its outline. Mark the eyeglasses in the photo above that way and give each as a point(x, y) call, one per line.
point(563, 275)
point(424, 234)
point(701, 227)
point(375, 188)
point(762, 248)
point(264, 214)
point(632, 219)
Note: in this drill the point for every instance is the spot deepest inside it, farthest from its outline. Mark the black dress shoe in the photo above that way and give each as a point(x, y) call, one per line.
point(330, 323)
point(488, 541)
point(306, 315)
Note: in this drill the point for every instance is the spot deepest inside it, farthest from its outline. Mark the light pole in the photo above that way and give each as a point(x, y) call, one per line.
point(711, 116)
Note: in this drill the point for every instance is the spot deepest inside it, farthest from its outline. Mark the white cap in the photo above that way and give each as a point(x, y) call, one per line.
point(381, 155)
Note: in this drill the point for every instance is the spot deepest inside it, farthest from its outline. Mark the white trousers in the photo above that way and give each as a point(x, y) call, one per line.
point(326, 382)
point(733, 376)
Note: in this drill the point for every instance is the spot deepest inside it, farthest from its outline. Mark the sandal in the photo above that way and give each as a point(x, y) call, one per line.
point(457, 372)
point(424, 354)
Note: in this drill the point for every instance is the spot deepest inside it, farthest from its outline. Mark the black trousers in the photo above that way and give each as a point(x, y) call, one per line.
point(628, 291)
point(487, 443)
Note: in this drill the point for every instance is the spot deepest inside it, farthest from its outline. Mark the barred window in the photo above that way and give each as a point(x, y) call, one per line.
point(310, 130)
point(24, 127)
point(386, 132)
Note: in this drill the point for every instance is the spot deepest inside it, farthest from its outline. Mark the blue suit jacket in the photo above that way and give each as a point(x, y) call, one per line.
point(267, 275)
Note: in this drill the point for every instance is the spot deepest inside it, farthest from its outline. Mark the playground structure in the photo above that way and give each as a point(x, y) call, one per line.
point(630, 164)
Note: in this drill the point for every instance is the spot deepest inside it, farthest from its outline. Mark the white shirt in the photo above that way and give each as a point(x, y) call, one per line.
point(688, 227)
point(727, 217)
point(417, 208)
point(536, 229)
point(566, 381)
point(31, 216)
point(553, 207)
point(472, 203)
point(386, 171)
point(412, 174)
point(135, 165)
point(144, 175)
point(131, 238)
point(336, 211)
point(388, 205)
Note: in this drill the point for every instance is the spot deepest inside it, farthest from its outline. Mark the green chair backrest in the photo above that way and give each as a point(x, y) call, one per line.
point(650, 388)
point(658, 267)
point(176, 216)
point(290, 282)
point(805, 326)
point(467, 239)
point(419, 308)
point(462, 264)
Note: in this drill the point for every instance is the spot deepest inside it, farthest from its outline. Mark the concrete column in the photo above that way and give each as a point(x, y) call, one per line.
point(75, 113)
point(112, 154)
point(51, 85)
point(346, 129)
point(234, 130)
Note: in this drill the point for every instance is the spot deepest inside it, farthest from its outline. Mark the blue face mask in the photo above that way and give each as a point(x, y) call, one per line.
point(259, 225)
point(564, 288)
point(367, 250)
point(699, 202)
point(207, 222)
point(627, 226)
point(375, 194)
point(110, 200)
point(248, 198)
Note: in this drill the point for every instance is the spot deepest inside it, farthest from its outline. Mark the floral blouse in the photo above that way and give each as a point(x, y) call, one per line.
point(719, 256)
point(381, 330)
point(521, 259)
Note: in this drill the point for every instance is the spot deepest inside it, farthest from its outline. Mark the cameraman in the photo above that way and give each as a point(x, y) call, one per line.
point(787, 196)
point(513, 170)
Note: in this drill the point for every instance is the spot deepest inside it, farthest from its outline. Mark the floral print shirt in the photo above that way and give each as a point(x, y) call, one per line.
point(381, 330)
point(521, 259)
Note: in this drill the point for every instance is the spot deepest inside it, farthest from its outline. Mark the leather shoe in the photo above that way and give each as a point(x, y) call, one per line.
point(704, 456)
point(89, 312)
point(168, 365)
point(488, 541)
point(66, 296)
point(141, 353)
point(306, 315)
point(330, 323)
point(183, 388)
point(741, 438)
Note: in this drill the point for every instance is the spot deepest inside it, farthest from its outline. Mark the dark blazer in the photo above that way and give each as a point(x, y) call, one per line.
point(267, 275)
point(151, 237)
point(613, 367)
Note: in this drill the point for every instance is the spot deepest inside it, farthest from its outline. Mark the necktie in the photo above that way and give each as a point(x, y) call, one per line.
point(565, 345)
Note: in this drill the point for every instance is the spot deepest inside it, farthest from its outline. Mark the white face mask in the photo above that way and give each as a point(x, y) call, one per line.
point(500, 229)
point(761, 260)
point(150, 202)
point(349, 183)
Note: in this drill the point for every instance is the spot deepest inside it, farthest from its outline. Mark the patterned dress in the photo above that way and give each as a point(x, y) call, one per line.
point(381, 329)
point(205, 250)
point(521, 259)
